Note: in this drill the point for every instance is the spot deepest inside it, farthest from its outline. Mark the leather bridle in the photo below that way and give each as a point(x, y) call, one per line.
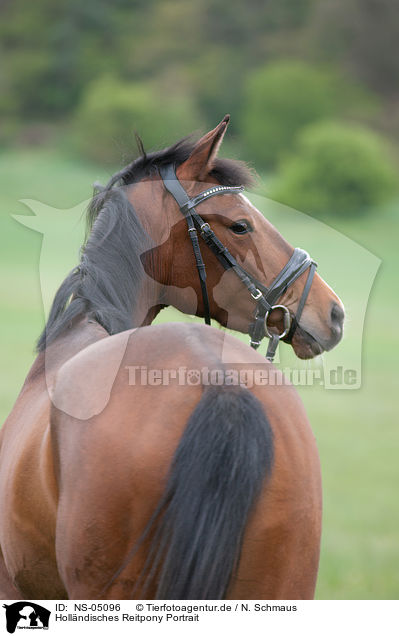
point(265, 297)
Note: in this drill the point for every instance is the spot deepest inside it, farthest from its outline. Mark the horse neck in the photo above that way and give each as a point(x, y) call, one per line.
point(149, 302)
point(81, 334)
point(86, 331)
point(111, 290)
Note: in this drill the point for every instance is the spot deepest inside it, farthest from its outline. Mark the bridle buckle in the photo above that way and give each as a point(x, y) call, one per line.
point(256, 294)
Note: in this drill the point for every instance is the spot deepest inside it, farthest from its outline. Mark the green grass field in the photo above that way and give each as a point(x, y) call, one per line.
point(357, 430)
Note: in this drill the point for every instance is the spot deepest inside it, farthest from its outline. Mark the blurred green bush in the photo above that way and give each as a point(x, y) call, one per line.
point(337, 169)
point(111, 111)
point(284, 96)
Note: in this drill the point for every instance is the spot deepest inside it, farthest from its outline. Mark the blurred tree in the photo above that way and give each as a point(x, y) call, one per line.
point(237, 37)
point(364, 36)
point(50, 50)
point(111, 111)
point(284, 96)
point(337, 169)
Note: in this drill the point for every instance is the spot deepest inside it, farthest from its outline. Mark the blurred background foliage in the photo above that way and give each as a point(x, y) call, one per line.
point(87, 75)
point(336, 169)
point(284, 96)
point(313, 90)
point(110, 106)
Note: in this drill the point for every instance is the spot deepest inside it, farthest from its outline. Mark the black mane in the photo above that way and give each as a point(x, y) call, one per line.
point(226, 171)
point(106, 283)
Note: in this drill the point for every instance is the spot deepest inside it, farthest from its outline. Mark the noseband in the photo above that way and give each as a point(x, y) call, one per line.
point(265, 297)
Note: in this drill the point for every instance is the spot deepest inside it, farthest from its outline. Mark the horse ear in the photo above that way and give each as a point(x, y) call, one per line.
point(201, 160)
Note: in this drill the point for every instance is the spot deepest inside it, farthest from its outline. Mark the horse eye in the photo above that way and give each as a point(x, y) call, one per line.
point(241, 227)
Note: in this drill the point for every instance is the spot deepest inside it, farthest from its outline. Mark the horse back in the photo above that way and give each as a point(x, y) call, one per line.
point(112, 458)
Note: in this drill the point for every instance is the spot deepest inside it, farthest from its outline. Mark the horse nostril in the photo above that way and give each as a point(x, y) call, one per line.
point(337, 316)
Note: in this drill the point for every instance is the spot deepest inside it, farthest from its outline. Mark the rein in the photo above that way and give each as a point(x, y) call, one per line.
point(265, 297)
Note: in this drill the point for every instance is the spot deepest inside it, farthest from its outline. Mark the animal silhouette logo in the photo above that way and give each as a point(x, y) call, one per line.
point(26, 615)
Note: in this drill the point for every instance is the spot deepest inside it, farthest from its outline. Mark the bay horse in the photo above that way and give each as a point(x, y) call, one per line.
point(118, 488)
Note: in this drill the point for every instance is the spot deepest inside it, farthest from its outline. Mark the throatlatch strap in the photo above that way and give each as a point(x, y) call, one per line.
point(194, 221)
point(174, 187)
point(201, 269)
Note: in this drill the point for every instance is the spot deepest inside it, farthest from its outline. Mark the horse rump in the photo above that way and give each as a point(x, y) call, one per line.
point(216, 475)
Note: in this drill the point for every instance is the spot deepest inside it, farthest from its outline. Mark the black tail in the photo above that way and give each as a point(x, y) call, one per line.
point(216, 475)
